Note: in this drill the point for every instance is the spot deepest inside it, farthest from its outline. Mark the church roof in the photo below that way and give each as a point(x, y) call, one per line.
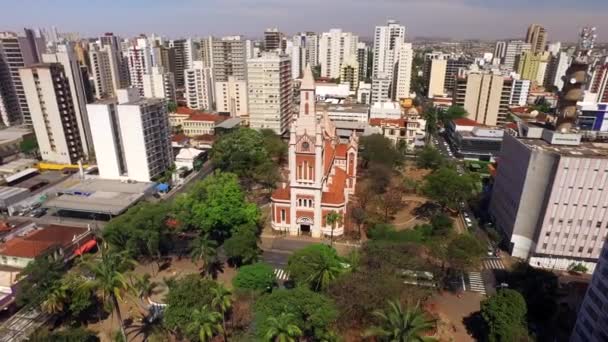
point(335, 195)
point(341, 151)
point(308, 81)
point(281, 194)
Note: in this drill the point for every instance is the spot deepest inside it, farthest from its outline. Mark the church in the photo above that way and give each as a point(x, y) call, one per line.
point(322, 172)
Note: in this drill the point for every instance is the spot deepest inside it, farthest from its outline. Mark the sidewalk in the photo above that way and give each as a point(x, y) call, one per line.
point(291, 243)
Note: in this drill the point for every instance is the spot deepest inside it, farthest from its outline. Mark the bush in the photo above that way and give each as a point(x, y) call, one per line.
point(242, 247)
point(185, 295)
point(256, 277)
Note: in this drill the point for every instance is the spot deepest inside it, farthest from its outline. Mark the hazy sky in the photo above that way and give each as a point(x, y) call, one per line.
point(486, 19)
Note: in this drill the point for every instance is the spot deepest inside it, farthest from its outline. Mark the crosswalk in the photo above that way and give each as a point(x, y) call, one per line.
point(493, 264)
point(281, 274)
point(476, 283)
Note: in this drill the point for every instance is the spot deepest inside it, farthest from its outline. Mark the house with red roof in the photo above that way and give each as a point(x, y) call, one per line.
point(322, 173)
point(193, 122)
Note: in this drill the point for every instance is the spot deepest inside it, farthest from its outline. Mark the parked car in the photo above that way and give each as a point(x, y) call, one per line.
point(38, 212)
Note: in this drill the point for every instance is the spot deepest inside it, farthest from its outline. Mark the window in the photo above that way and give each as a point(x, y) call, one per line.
point(580, 249)
point(282, 215)
point(571, 249)
point(547, 234)
point(544, 246)
point(589, 250)
point(305, 146)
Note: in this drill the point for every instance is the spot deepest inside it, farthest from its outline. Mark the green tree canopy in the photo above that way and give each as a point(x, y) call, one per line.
point(141, 231)
point(171, 107)
point(29, 146)
point(454, 112)
point(274, 145)
point(377, 149)
point(315, 266)
point(442, 225)
point(282, 328)
point(465, 251)
point(256, 277)
point(446, 187)
point(185, 295)
point(242, 247)
point(216, 206)
point(397, 324)
point(505, 316)
point(430, 158)
point(38, 280)
point(68, 334)
point(312, 312)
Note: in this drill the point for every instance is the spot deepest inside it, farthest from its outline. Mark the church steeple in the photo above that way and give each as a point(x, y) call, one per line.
point(308, 81)
point(306, 121)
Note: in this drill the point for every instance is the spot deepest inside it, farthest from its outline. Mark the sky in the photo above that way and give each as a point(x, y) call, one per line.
point(458, 19)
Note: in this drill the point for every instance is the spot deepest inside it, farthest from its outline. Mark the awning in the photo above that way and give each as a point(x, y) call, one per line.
point(162, 187)
point(85, 248)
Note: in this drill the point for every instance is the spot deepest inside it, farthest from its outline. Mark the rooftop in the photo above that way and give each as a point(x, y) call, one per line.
point(40, 240)
point(466, 122)
point(584, 150)
point(229, 123)
point(12, 133)
point(351, 107)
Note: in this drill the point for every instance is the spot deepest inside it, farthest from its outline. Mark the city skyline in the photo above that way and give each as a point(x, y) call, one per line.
point(434, 18)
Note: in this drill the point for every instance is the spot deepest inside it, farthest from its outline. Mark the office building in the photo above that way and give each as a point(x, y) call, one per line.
point(472, 140)
point(49, 97)
point(184, 53)
point(231, 97)
point(556, 69)
point(349, 73)
point(537, 38)
point(229, 58)
point(500, 51)
point(481, 94)
point(453, 67)
point(363, 60)
point(344, 112)
point(592, 320)
point(532, 66)
point(387, 42)
point(159, 84)
point(549, 198)
point(335, 47)
point(270, 92)
point(520, 90)
point(364, 93)
point(403, 78)
point(199, 87)
point(64, 55)
point(17, 51)
point(131, 136)
point(381, 90)
point(274, 40)
point(512, 52)
point(140, 61)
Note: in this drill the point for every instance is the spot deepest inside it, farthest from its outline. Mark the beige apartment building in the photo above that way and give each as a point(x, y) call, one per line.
point(231, 97)
point(483, 95)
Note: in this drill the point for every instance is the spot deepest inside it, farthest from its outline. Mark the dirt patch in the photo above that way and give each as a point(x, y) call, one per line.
point(452, 312)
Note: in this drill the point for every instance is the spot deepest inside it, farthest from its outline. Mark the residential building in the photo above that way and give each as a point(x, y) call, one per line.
point(549, 198)
point(297, 52)
point(206, 50)
point(454, 65)
point(193, 122)
point(131, 136)
point(231, 97)
point(435, 71)
point(363, 60)
point(64, 55)
point(532, 66)
point(322, 177)
point(481, 94)
point(592, 321)
point(309, 47)
point(403, 78)
point(270, 92)
point(410, 132)
point(115, 48)
point(16, 51)
point(229, 58)
point(385, 110)
point(349, 73)
point(139, 57)
point(520, 90)
point(556, 69)
point(537, 38)
point(199, 87)
point(472, 140)
point(387, 43)
point(105, 70)
point(554, 48)
point(159, 83)
point(274, 40)
point(184, 54)
point(381, 90)
point(54, 118)
point(335, 47)
point(499, 52)
point(364, 93)
point(598, 86)
point(512, 52)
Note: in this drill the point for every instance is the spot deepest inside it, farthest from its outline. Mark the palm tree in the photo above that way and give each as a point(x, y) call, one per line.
point(332, 219)
point(282, 328)
point(397, 325)
point(221, 301)
point(205, 323)
point(143, 286)
point(325, 270)
point(205, 249)
point(55, 301)
point(107, 276)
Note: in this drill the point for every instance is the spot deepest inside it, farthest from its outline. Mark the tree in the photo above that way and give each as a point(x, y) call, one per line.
point(109, 279)
point(442, 225)
point(38, 280)
point(390, 202)
point(358, 215)
point(396, 324)
point(29, 146)
point(332, 219)
point(221, 301)
point(205, 324)
point(377, 149)
point(242, 247)
point(313, 312)
point(464, 252)
point(379, 177)
point(186, 294)
point(577, 268)
point(204, 249)
point(430, 158)
point(68, 334)
point(446, 187)
point(274, 145)
point(315, 266)
point(454, 112)
point(505, 316)
point(55, 301)
point(256, 277)
point(171, 107)
point(216, 206)
point(282, 328)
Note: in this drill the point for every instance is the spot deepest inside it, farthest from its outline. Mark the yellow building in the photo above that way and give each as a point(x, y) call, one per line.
point(532, 66)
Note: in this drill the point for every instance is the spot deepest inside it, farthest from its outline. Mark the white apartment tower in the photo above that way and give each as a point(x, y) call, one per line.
point(140, 59)
point(159, 84)
point(105, 70)
point(513, 51)
point(231, 97)
point(199, 87)
point(403, 79)
point(229, 58)
point(270, 94)
point(49, 97)
point(387, 42)
point(132, 136)
point(335, 47)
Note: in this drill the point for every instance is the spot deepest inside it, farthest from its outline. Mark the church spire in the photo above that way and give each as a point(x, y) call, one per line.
point(308, 81)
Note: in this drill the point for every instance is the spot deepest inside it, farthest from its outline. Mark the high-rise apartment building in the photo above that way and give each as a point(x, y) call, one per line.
point(274, 40)
point(185, 53)
point(18, 51)
point(481, 94)
point(159, 84)
point(598, 87)
point(349, 73)
point(513, 50)
point(556, 69)
point(363, 60)
point(435, 71)
point(381, 90)
point(519, 92)
point(229, 58)
point(131, 136)
point(453, 66)
point(199, 87)
point(116, 49)
point(402, 80)
point(335, 47)
point(499, 52)
point(270, 95)
point(140, 59)
point(537, 38)
point(592, 320)
point(549, 198)
point(64, 55)
point(387, 42)
point(231, 97)
point(532, 66)
point(297, 52)
point(56, 124)
point(105, 70)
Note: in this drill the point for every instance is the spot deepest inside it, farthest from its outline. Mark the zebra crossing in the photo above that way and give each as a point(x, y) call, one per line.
point(493, 264)
point(281, 274)
point(476, 283)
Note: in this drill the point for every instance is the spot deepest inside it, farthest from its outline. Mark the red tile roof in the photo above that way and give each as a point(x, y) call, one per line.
point(466, 122)
point(335, 195)
point(184, 110)
point(179, 138)
point(341, 151)
point(205, 137)
point(511, 125)
point(382, 122)
point(200, 116)
point(281, 194)
point(40, 241)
